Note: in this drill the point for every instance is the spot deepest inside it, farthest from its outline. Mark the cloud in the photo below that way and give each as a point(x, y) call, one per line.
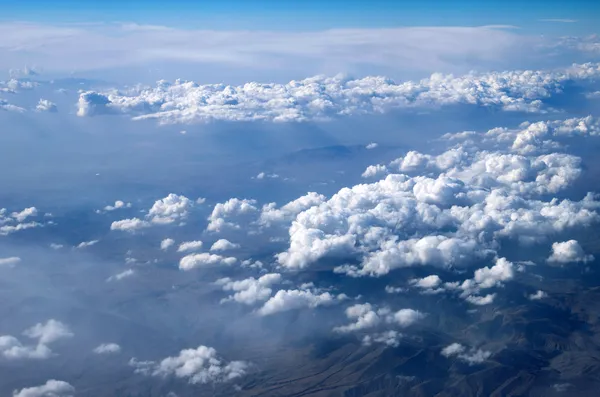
point(118, 205)
point(49, 332)
point(323, 98)
point(285, 300)
point(371, 145)
point(199, 366)
point(166, 244)
point(170, 209)
point(250, 290)
point(568, 252)
point(481, 300)
point(204, 259)
point(52, 388)
point(389, 338)
point(120, 276)
point(10, 261)
point(560, 20)
point(129, 225)
point(223, 245)
point(26, 213)
point(365, 316)
point(85, 244)
point(233, 207)
point(190, 246)
point(44, 105)
point(374, 170)
point(107, 348)
point(538, 295)
point(471, 356)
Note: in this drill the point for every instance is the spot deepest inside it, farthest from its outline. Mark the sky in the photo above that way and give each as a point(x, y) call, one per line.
point(244, 198)
point(535, 16)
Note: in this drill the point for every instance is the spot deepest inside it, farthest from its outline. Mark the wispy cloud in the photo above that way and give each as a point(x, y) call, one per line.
point(559, 20)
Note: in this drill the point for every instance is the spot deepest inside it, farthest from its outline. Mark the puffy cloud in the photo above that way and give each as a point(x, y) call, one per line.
point(374, 170)
point(365, 317)
point(190, 246)
point(231, 208)
point(199, 366)
point(481, 300)
point(538, 295)
point(26, 213)
point(10, 261)
point(5, 105)
point(166, 244)
point(321, 97)
point(250, 290)
point(390, 338)
point(118, 204)
point(568, 252)
point(129, 225)
point(45, 105)
point(223, 245)
point(12, 348)
point(471, 356)
point(406, 317)
point(285, 300)
point(52, 388)
point(107, 348)
point(432, 281)
point(170, 209)
point(49, 332)
point(204, 259)
point(263, 175)
point(371, 145)
point(270, 214)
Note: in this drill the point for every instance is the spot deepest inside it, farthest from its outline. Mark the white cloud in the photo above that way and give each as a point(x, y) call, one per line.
point(26, 213)
point(204, 259)
point(481, 300)
point(129, 225)
point(49, 332)
point(321, 98)
point(199, 366)
point(85, 244)
point(538, 295)
point(406, 317)
point(45, 105)
point(390, 338)
point(233, 207)
point(285, 300)
point(10, 261)
point(223, 245)
point(471, 356)
point(371, 145)
point(107, 348)
point(190, 246)
point(432, 281)
point(12, 349)
point(250, 290)
point(166, 244)
point(120, 276)
point(365, 317)
point(170, 209)
point(374, 170)
point(118, 204)
point(568, 252)
point(52, 388)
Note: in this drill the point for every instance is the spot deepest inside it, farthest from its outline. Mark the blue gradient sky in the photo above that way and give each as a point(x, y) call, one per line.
point(314, 14)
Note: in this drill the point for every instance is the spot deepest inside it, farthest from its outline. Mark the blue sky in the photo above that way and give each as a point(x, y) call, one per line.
point(311, 14)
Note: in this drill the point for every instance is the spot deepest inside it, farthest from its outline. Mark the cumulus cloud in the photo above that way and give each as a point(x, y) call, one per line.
point(129, 225)
point(539, 295)
point(223, 245)
point(190, 246)
point(44, 105)
point(321, 97)
point(204, 259)
point(51, 331)
point(470, 356)
point(199, 366)
point(223, 213)
point(285, 300)
point(371, 145)
point(107, 348)
point(166, 244)
point(374, 170)
point(52, 388)
point(117, 205)
point(390, 338)
point(568, 252)
point(26, 213)
point(250, 290)
point(170, 209)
